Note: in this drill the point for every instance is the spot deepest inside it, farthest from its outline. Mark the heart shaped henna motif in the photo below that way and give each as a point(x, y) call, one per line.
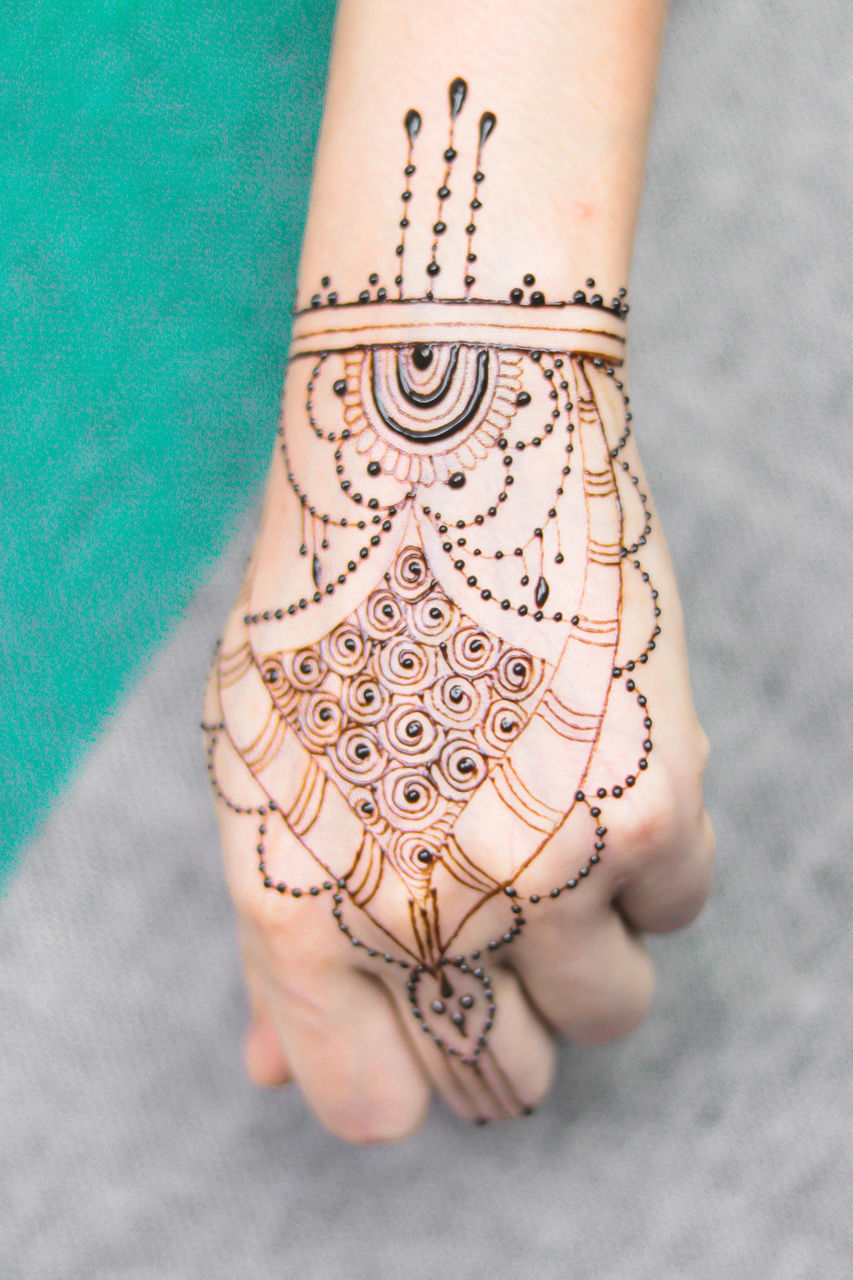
point(455, 1007)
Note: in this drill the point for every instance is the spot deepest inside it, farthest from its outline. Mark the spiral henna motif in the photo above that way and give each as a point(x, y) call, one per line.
point(410, 734)
point(320, 719)
point(414, 852)
point(281, 691)
point(357, 756)
point(363, 803)
point(455, 702)
point(411, 800)
point(304, 669)
point(473, 652)
point(271, 672)
point(382, 615)
point(410, 576)
point(461, 769)
point(433, 618)
point(500, 727)
point(404, 665)
point(517, 674)
point(365, 700)
point(345, 649)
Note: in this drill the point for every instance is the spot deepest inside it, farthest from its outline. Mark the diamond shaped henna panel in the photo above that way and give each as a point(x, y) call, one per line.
point(445, 663)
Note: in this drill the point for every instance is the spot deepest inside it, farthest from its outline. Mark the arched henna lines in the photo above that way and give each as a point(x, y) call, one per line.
point(441, 431)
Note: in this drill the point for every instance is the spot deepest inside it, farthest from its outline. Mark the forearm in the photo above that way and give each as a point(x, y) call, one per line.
point(571, 84)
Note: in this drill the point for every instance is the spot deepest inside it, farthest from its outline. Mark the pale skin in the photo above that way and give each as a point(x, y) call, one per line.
point(571, 85)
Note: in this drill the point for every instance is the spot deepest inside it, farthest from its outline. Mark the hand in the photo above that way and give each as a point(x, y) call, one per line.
point(449, 725)
point(488, 803)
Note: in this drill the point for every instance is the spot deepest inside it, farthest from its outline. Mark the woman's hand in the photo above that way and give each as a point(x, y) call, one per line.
point(455, 789)
point(449, 725)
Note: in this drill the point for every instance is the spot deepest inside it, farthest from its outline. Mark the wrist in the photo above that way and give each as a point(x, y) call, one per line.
point(554, 117)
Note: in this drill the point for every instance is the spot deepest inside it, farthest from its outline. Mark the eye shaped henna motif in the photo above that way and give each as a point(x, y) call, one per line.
point(446, 665)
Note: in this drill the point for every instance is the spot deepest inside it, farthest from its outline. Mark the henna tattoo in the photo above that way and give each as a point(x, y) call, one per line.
point(446, 660)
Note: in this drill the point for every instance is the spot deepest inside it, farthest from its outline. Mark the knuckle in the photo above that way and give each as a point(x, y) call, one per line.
point(670, 893)
point(274, 925)
point(652, 823)
point(308, 993)
point(665, 822)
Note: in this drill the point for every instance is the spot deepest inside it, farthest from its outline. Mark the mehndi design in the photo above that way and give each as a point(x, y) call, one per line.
point(447, 664)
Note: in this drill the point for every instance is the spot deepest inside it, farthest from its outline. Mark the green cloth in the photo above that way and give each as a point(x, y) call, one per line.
point(155, 167)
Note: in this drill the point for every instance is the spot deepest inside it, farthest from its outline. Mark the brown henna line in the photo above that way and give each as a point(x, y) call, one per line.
point(403, 717)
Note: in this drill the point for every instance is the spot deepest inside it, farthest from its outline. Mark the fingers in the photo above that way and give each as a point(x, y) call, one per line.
point(349, 1055)
point(510, 1073)
point(363, 1059)
point(588, 976)
point(315, 1019)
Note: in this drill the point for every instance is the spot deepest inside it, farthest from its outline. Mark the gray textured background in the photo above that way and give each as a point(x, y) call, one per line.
point(715, 1142)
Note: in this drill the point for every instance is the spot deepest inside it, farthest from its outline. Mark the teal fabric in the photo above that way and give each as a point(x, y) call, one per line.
point(155, 161)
